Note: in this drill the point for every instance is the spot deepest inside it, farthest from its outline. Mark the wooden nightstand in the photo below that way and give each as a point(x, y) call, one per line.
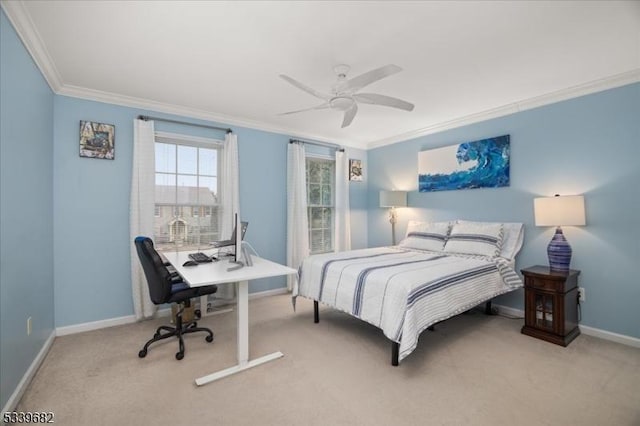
point(551, 304)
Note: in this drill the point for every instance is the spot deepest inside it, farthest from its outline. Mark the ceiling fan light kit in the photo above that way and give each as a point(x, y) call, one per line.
point(344, 96)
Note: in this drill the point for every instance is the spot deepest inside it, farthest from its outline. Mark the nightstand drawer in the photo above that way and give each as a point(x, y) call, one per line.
point(549, 285)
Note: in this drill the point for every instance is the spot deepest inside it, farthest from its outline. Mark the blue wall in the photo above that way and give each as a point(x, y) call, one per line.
point(588, 145)
point(91, 208)
point(26, 210)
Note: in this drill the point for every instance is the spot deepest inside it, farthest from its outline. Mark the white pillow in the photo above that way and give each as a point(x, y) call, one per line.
point(475, 238)
point(426, 235)
point(513, 236)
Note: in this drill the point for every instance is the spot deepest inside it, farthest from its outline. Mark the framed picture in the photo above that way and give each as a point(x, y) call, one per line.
point(478, 164)
point(355, 170)
point(97, 140)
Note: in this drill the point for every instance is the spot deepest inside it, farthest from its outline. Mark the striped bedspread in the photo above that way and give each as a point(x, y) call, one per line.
point(403, 291)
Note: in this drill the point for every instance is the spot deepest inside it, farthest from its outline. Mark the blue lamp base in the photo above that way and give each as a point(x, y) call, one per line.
point(559, 252)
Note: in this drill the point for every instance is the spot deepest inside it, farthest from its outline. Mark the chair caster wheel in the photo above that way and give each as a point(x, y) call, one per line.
point(209, 339)
point(179, 355)
point(142, 353)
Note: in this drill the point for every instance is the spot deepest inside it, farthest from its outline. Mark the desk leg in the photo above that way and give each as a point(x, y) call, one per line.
point(243, 322)
point(243, 341)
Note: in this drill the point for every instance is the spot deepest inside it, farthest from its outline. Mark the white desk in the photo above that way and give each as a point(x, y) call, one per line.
point(216, 273)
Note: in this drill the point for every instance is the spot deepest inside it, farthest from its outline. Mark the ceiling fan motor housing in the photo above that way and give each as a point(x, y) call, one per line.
point(341, 103)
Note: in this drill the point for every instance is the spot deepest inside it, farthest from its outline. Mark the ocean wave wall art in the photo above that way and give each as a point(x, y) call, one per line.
point(478, 164)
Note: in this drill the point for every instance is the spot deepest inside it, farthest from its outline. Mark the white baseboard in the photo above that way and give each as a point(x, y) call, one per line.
point(97, 325)
point(94, 325)
point(509, 311)
point(129, 319)
point(31, 371)
point(268, 293)
point(611, 336)
point(589, 331)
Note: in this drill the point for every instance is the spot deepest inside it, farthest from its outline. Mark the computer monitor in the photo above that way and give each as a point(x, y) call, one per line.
point(237, 250)
point(232, 240)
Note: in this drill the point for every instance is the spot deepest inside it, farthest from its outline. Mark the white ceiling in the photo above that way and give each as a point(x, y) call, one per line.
point(462, 61)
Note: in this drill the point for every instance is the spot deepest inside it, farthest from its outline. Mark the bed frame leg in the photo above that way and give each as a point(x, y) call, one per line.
point(395, 351)
point(316, 313)
point(487, 308)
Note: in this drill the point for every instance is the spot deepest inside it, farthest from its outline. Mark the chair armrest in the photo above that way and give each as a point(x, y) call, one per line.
point(175, 276)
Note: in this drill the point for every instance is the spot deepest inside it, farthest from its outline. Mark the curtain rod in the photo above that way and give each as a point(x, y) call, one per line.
point(327, 144)
point(147, 118)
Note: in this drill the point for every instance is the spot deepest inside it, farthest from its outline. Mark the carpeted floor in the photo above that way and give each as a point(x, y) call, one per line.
point(473, 370)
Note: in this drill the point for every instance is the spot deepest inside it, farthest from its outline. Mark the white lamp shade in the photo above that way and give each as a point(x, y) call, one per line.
point(559, 211)
point(393, 198)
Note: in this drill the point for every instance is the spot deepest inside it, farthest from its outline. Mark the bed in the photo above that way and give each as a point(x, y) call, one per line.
point(439, 270)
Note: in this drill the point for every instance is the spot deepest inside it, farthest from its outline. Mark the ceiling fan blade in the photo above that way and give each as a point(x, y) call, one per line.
point(307, 89)
point(357, 83)
point(349, 115)
point(374, 99)
point(321, 106)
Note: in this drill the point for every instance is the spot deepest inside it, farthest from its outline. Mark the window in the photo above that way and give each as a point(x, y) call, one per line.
point(187, 192)
point(320, 203)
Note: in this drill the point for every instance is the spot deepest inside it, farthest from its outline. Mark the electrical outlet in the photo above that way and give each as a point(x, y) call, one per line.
point(28, 326)
point(582, 296)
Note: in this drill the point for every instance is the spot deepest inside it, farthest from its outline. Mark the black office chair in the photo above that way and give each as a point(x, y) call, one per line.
point(167, 287)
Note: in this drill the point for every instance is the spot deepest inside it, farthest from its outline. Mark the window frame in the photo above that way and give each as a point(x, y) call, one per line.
point(325, 159)
point(179, 209)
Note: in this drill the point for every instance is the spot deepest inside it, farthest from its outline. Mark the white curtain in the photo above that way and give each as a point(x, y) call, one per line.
point(297, 220)
point(230, 197)
point(229, 200)
point(343, 218)
point(141, 213)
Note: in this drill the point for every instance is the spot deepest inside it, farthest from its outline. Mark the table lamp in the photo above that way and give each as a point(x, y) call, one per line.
point(558, 211)
point(393, 199)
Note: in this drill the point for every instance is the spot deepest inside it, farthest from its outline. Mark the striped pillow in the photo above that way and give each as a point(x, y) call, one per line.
point(475, 238)
point(426, 235)
point(512, 237)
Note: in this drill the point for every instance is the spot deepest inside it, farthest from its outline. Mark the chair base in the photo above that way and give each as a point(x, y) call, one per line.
point(176, 331)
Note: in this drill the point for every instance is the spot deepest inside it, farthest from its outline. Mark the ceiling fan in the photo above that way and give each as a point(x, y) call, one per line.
point(344, 93)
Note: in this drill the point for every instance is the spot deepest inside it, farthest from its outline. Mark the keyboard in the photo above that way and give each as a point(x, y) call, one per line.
point(200, 257)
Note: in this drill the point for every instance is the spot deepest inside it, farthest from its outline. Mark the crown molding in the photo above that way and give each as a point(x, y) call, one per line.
point(19, 17)
point(183, 111)
point(618, 80)
point(600, 85)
